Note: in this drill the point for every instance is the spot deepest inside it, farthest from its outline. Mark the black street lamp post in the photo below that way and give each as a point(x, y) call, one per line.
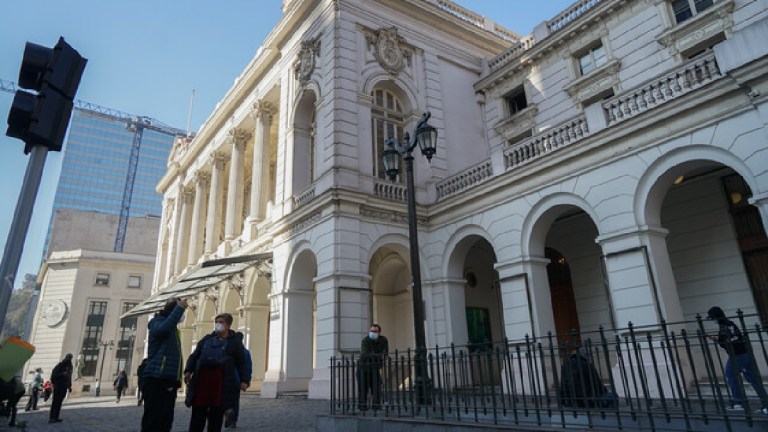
point(426, 137)
point(104, 345)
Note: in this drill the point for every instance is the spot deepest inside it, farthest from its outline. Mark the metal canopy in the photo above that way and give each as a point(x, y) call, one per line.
point(209, 274)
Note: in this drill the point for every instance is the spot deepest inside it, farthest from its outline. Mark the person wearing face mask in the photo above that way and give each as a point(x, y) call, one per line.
point(373, 353)
point(732, 341)
point(162, 375)
point(215, 374)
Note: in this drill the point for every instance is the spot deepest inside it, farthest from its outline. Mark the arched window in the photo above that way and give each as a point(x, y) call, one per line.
point(312, 140)
point(387, 120)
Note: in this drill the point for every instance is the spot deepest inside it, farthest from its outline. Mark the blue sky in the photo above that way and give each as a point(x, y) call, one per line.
point(145, 57)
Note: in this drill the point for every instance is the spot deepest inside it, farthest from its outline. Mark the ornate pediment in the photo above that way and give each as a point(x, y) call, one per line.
point(305, 66)
point(390, 49)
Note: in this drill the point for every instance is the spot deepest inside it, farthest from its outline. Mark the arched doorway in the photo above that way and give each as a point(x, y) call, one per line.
point(392, 301)
point(564, 310)
point(300, 321)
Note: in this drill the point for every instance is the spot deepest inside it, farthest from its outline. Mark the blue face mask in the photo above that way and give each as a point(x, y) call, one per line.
point(373, 335)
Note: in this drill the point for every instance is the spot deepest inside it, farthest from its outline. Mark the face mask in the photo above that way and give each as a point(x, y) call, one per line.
point(373, 335)
point(219, 327)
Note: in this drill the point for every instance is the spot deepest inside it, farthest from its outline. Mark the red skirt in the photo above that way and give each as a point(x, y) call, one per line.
point(209, 387)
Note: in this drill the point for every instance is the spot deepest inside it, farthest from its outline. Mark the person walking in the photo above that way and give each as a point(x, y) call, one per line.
point(162, 375)
point(61, 377)
point(47, 390)
point(731, 339)
point(120, 384)
point(140, 379)
point(34, 390)
point(212, 384)
point(231, 415)
point(373, 353)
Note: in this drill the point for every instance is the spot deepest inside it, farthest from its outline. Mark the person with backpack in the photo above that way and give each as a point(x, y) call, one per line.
point(121, 383)
point(215, 374)
point(740, 361)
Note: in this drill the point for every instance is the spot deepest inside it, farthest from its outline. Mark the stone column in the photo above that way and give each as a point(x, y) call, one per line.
point(262, 114)
point(233, 226)
point(213, 217)
point(198, 217)
point(182, 237)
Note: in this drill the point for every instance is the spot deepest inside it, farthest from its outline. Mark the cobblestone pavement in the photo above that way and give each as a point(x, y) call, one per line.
point(103, 414)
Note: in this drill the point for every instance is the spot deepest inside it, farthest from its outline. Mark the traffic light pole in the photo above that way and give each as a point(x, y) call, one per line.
point(14, 244)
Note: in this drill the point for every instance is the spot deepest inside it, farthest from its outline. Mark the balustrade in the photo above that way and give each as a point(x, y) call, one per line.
point(390, 191)
point(303, 198)
point(464, 180)
point(571, 14)
point(688, 77)
point(546, 142)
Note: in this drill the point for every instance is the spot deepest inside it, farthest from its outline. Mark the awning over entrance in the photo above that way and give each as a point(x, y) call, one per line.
point(209, 274)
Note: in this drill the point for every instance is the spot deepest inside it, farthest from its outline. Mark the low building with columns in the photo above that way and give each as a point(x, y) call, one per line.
point(608, 168)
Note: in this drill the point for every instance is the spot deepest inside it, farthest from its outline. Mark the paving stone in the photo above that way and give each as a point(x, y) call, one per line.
point(103, 414)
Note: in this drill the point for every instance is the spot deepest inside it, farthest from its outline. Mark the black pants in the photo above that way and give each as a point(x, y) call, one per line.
point(214, 415)
point(32, 402)
point(160, 398)
point(59, 393)
point(140, 396)
point(47, 394)
point(120, 391)
point(368, 379)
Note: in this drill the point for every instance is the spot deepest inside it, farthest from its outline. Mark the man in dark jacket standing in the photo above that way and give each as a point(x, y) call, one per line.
point(215, 374)
point(162, 375)
point(580, 383)
point(373, 353)
point(732, 341)
point(61, 377)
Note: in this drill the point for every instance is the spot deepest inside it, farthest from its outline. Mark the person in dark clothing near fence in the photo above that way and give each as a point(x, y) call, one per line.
point(213, 387)
point(140, 379)
point(581, 385)
point(373, 353)
point(731, 339)
point(61, 377)
point(121, 383)
point(162, 376)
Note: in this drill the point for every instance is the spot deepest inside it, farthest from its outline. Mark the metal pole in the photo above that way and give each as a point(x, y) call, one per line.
point(101, 370)
point(14, 244)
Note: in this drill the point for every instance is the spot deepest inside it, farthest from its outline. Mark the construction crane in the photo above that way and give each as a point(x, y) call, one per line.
point(135, 124)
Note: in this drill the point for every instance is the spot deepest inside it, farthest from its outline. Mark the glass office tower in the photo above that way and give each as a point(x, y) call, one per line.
point(95, 165)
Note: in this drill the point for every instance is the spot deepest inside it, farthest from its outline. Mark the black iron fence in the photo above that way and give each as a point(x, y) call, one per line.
point(649, 377)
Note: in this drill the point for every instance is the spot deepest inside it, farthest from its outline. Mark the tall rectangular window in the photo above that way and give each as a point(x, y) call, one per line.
point(684, 9)
point(592, 59)
point(127, 339)
point(388, 121)
point(516, 101)
point(94, 326)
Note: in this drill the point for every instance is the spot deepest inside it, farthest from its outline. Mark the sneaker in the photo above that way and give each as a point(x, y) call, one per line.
point(763, 410)
point(735, 407)
point(229, 419)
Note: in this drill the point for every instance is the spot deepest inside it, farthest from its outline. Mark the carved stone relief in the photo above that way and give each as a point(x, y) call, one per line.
point(389, 49)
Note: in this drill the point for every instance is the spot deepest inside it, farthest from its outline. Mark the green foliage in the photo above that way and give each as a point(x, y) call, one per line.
point(16, 318)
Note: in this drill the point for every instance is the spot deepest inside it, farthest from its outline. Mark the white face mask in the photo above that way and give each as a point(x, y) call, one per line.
point(219, 327)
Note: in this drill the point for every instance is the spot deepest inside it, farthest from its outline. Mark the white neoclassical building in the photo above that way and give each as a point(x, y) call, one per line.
point(610, 167)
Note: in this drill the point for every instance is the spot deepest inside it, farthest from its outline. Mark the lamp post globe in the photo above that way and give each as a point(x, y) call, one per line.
point(426, 136)
point(391, 159)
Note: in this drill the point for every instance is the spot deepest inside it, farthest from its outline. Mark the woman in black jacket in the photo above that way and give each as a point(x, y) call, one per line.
point(121, 383)
point(212, 385)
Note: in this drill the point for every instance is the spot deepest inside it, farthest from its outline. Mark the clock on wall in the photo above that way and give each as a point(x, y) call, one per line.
point(52, 312)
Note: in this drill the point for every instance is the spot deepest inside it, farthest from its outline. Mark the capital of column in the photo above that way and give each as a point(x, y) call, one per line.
point(263, 110)
point(186, 193)
point(202, 178)
point(629, 238)
point(217, 159)
point(239, 136)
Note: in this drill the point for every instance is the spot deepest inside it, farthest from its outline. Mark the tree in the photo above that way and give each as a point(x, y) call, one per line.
point(16, 318)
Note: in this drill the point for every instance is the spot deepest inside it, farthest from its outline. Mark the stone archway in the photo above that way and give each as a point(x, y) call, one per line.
point(300, 321)
point(391, 295)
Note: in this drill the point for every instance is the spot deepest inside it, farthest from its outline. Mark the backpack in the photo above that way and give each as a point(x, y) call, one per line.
point(214, 353)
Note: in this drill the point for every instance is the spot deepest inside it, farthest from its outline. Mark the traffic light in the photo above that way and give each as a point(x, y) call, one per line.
point(54, 74)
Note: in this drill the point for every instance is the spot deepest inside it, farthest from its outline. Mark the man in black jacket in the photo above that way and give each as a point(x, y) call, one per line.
point(140, 377)
point(61, 377)
point(732, 341)
point(580, 383)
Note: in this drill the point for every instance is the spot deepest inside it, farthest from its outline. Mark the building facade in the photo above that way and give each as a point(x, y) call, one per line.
point(85, 287)
point(99, 146)
point(607, 168)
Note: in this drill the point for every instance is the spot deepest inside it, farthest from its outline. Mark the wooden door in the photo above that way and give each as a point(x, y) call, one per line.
point(563, 300)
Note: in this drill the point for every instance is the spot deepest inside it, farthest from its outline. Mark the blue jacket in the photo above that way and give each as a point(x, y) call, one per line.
point(164, 347)
point(249, 364)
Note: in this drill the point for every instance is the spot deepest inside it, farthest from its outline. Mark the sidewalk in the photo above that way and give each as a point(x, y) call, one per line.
point(103, 414)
